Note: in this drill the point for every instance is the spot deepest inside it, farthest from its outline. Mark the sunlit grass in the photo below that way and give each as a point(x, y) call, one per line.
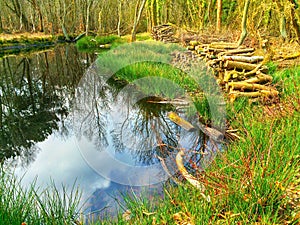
point(106, 42)
point(33, 205)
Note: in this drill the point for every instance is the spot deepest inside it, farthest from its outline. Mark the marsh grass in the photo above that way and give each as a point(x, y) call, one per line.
point(90, 42)
point(33, 205)
point(248, 183)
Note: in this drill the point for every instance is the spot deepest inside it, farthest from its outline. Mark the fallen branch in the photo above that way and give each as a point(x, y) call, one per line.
point(190, 178)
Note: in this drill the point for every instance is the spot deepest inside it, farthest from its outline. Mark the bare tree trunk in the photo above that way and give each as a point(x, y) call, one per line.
point(120, 18)
point(208, 11)
point(89, 3)
point(100, 22)
point(62, 22)
point(158, 20)
point(244, 23)
point(37, 8)
point(294, 19)
point(282, 27)
point(219, 15)
point(17, 10)
point(153, 13)
point(137, 19)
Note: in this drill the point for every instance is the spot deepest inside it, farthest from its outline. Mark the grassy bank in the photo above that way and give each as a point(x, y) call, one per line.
point(256, 181)
point(90, 43)
point(36, 206)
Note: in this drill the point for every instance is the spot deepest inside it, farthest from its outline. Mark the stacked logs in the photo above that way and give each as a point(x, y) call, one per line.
point(165, 33)
point(238, 69)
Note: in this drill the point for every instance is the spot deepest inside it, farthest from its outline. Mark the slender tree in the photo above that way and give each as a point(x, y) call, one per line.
point(294, 19)
point(244, 23)
point(138, 13)
point(219, 15)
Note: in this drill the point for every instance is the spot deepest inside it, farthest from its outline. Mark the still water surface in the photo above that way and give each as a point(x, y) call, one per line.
point(52, 132)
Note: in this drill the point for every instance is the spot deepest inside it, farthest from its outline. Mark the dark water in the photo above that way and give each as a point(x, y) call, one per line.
point(58, 123)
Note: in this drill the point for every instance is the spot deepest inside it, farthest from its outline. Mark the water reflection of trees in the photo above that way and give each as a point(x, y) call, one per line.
point(35, 92)
point(140, 128)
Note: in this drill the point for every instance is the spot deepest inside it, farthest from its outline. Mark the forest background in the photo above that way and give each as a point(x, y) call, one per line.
point(279, 18)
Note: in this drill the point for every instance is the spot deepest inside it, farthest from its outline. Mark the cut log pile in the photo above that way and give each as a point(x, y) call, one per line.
point(165, 33)
point(238, 69)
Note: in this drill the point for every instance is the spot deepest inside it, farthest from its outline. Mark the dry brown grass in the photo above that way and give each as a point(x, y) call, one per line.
point(24, 36)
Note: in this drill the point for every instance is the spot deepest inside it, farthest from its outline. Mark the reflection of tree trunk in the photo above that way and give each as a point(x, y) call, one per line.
point(137, 18)
point(45, 74)
point(29, 80)
point(1, 112)
point(1, 25)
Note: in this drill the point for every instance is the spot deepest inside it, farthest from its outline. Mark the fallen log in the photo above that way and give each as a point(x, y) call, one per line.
point(239, 65)
point(194, 43)
point(223, 45)
point(260, 78)
point(251, 59)
point(249, 86)
point(237, 51)
point(209, 131)
point(263, 93)
point(180, 121)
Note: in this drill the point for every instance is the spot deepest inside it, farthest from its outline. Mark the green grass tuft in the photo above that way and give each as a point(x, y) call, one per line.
point(36, 206)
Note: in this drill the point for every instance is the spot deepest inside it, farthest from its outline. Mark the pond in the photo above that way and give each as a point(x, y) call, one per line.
point(59, 124)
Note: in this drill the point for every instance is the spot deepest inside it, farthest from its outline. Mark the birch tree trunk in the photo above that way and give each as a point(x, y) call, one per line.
point(137, 18)
point(244, 23)
point(219, 15)
point(120, 18)
point(89, 4)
